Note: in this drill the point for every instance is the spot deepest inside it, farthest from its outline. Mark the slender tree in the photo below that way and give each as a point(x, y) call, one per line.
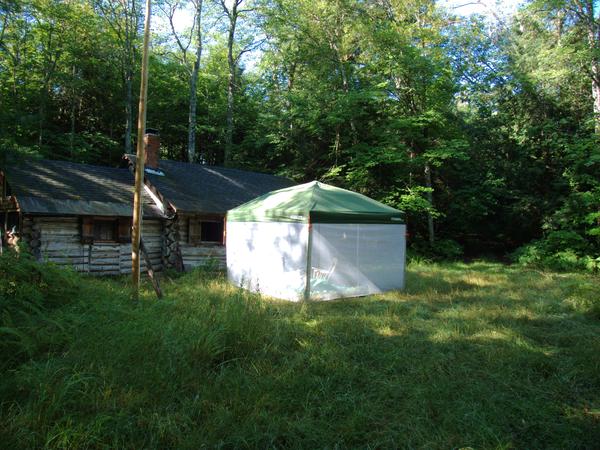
point(123, 18)
point(169, 8)
point(235, 11)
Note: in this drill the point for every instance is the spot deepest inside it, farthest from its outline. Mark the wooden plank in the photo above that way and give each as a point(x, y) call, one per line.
point(105, 261)
point(202, 252)
point(200, 262)
point(60, 240)
point(66, 261)
point(58, 225)
point(61, 245)
point(57, 247)
point(183, 230)
point(66, 236)
point(153, 279)
point(152, 229)
point(52, 256)
point(71, 254)
point(203, 258)
point(106, 273)
point(106, 246)
point(111, 269)
point(105, 255)
point(54, 219)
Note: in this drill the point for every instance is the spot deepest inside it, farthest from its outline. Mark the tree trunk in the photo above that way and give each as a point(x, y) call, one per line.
point(230, 94)
point(73, 107)
point(429, 185)
point(232, 64)
point(42, 113)
point(336, 145)
point(44, 94)
point(596, 94)
point(193, 91)
point(585, 12)
point(123, 18)
point(128, 109)
point(594, 43)
point(346, 88)
point(130, 34)
point(288, 103)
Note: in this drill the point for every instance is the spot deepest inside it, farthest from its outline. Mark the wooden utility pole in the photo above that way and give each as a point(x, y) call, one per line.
point(140, 159)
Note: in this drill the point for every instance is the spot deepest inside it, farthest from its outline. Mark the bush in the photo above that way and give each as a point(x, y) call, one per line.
point(559, 241)
point(448, 249)
point(28, 292)
point(547, 254)
point(443, 249)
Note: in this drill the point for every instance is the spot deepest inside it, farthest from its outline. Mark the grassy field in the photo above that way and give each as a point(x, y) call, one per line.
point(470, 355)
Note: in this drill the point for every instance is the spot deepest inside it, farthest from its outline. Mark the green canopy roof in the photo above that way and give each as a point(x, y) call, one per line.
point(314, 202)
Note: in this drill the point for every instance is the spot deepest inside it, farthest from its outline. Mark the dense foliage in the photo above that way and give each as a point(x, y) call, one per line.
point(486, 133)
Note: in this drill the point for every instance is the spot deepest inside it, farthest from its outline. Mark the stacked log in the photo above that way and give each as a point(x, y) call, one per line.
point(170, 248)
point(31, 235)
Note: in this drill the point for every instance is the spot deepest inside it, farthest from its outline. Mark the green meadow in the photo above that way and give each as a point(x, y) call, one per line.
point(477, 355)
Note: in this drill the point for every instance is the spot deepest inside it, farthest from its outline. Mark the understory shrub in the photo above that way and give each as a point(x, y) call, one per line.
point(563, 251)
point(442, 249)
point(28, 292)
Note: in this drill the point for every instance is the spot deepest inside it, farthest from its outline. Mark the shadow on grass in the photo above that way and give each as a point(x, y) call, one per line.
point(487, 357)
point(422, 381)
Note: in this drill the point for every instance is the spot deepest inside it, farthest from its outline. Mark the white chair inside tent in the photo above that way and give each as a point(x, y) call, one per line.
point(320, 274)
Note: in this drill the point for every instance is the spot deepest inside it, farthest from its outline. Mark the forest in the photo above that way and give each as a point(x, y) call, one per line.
point(483, 129)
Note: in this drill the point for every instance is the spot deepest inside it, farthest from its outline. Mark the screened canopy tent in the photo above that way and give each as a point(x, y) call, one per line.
point(315, 241)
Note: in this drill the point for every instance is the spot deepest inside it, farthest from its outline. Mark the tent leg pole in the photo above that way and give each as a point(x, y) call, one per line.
point(308, 262)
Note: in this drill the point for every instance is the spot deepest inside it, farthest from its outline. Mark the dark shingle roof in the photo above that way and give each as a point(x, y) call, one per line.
point(60, 187)
point(196, 188)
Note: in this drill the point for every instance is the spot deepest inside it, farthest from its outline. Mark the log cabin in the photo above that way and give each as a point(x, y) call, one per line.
point(196, 198)
point(80, 214)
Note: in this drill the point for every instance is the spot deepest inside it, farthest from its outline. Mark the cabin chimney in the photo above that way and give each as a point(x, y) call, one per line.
point(152, 147)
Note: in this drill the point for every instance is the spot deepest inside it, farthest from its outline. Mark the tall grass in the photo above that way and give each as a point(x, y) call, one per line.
point(478, 355)
point(28, 292)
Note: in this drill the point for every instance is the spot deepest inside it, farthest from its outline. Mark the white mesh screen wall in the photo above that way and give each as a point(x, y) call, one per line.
point(269, 258)
point(349, 260)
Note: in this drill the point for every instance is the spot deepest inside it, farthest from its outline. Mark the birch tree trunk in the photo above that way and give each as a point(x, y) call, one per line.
point(584, 10)
point(232, 65)
point(73, 108)
point(429, 185)
point(346, 89)
point(596, 94)
point(593, 32)
point(128, 109)
point(53, 52)
point(193, 84)
point(594, 43)
point(122, 17)
point(130, 35)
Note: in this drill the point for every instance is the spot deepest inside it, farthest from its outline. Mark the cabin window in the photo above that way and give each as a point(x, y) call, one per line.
point(105, 229)
point(205, 231)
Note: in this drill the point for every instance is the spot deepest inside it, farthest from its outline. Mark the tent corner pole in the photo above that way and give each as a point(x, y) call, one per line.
point(308, 261)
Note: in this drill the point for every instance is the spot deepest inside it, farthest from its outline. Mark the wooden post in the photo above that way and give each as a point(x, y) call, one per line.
point(150, 269)
point(308, 261)
point(139, 163)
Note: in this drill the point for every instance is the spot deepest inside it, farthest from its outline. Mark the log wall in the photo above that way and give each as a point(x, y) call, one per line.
point(59, 241)
point(201, 254)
